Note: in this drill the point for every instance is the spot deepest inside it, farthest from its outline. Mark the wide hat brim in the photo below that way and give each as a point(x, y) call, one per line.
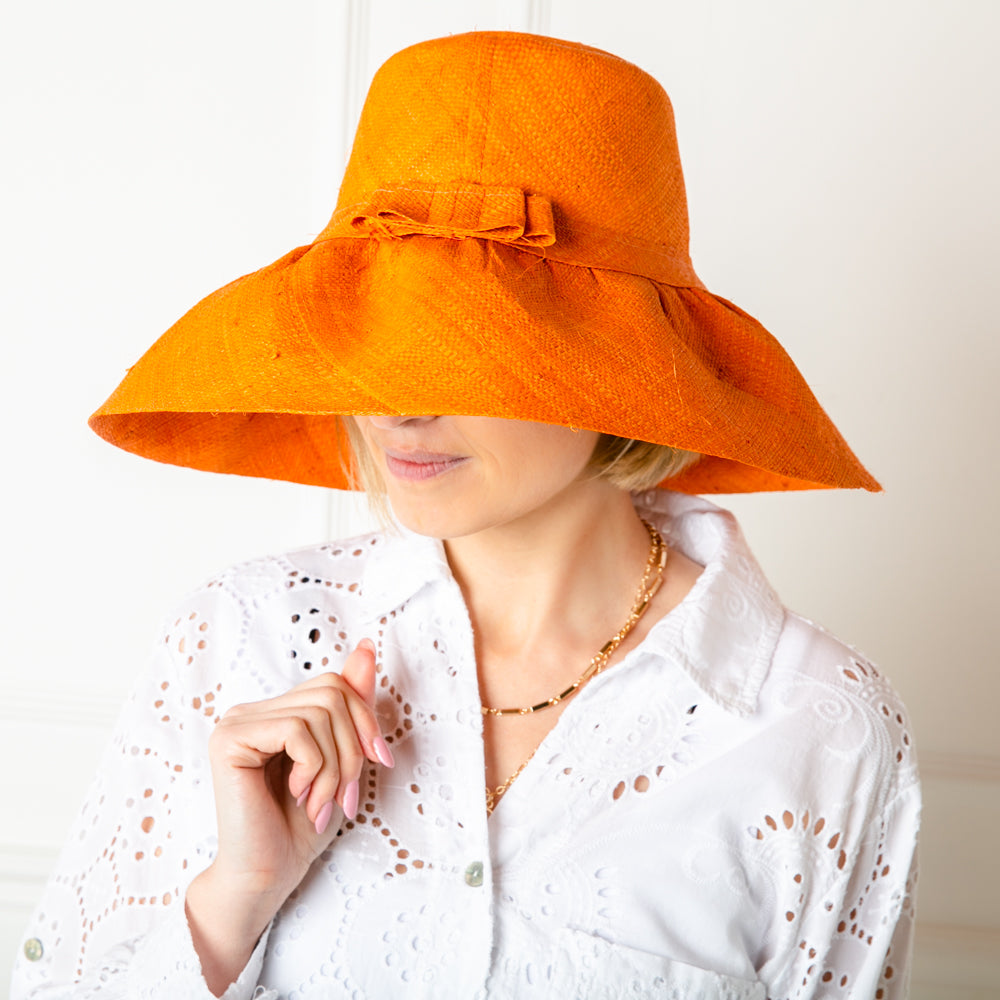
point(254, 379)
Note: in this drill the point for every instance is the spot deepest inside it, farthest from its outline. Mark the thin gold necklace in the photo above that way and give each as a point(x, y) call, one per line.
point(655, 563)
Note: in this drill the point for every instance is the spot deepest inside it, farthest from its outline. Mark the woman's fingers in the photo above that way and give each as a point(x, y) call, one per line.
point(357, 683)
point(333, 731)
point(325, 726)
point(359, 671)
point(278, 767)
point(318, 737)
point(328, 693)
point(250, 743)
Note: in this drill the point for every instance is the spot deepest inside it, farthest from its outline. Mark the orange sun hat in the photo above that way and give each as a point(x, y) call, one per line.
point(510, 240)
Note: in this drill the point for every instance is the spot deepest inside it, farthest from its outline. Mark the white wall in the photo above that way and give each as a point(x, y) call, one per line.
point(841, 163)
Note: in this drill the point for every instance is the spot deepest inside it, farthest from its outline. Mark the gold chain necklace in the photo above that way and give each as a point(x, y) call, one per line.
point(655, 563)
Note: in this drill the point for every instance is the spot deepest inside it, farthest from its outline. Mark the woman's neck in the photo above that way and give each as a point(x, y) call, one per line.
point(556, 581)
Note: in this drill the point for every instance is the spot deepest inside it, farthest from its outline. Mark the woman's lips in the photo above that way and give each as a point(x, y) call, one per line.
point(416, 465)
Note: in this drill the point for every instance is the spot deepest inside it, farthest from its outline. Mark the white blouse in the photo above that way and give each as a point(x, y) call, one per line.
point(729, 812)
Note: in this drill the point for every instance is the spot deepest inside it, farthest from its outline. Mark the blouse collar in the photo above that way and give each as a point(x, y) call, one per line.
point(723, 634)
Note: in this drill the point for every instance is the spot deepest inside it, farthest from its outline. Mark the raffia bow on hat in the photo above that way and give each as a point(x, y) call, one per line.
point(507, 215)
point(510, 240)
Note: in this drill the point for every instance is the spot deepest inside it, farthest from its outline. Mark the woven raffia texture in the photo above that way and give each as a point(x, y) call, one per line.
point(510, 240)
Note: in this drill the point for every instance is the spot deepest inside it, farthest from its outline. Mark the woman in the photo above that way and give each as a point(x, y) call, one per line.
point(555, 735)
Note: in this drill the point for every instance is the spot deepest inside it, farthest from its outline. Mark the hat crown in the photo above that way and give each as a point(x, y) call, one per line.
point(588, 131)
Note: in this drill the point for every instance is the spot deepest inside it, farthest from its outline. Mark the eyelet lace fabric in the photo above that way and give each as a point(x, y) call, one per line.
point(729, 812)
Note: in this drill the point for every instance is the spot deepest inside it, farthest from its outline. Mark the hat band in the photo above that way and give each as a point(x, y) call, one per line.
point(511, 216)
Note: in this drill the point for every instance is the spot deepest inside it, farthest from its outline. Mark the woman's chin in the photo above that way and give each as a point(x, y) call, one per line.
point(427, 518)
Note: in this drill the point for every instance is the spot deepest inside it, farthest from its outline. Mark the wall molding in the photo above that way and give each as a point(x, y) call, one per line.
point(356, 72)
point(24, 870)
point(66, 707)
point(538, 17)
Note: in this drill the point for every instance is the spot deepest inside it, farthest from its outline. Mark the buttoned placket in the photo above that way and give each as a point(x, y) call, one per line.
point(474, 867)
point(470, 866)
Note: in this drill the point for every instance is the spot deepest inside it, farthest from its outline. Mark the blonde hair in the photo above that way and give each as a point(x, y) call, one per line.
point(362, 472)
point(626, 463)
point(635, 465)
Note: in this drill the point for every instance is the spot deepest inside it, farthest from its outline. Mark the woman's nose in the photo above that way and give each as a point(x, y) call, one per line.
point(387, 423)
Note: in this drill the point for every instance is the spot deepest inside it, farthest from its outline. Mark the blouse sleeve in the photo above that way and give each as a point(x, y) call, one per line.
point(857, 943)
point(112, 923)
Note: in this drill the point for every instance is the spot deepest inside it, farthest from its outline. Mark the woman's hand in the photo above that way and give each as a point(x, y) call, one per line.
point(281, 768)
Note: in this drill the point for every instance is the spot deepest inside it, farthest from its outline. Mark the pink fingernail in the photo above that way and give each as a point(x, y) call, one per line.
point(383, 752)
point(367, 644)
point(351, 800)
point(323, 819)
point(304, 795)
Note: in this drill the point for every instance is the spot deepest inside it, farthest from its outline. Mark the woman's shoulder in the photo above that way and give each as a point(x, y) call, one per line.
point(816, 656)
point(329, 564)
point(287, 615)
point(328, 570)
point(843, 700)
